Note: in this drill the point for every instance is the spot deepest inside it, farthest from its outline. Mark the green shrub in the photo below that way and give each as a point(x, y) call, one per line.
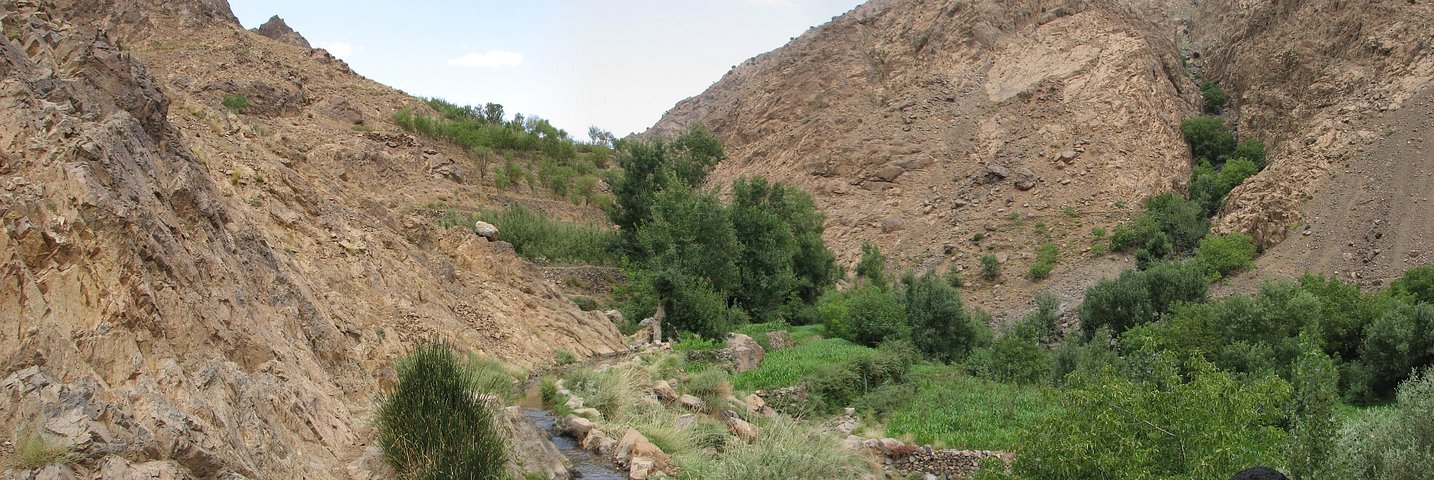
point(563, 356)
point(1086, 357)
point(1136, 297)
point(835, 386)
point(236, 102)
point(1214, 96)
point(873, 315)
point(1253, 151)
point(1313, 430)
point(1394, 344)
point(990, 267)
point(1043, 320)
point(1208, 138)
point(1016, 357)
point(1227, 253)
point(536, 236)
point(1395, 443)
point(940, 328)
point(691, 342)
point(1113, 427)
point(1234, 172)
point(1416, 286)
point(436, 423)
point(1040, 270)
point(872, 264)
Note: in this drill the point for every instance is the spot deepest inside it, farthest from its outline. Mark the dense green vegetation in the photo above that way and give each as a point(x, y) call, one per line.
point(536, 237)
point(435, 423)
point(525, 150)
point(714, 266)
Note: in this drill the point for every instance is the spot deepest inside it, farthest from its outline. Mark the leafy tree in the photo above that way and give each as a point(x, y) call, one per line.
point(649, 167)
point(1114, 427)
point(1395, 444)
point(1208, 138)
point(1118, 304)
point(1394, 345)
point(872, 265)
point(1235, 171)
point(765, 266)
point(1313, 429)
point(1252, 150)
point(691, 250)
point(940, 328)
point(1416, 286)
point(1015, 357)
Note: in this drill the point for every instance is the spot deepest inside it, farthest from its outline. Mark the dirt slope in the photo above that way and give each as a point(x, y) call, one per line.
point(190, 292)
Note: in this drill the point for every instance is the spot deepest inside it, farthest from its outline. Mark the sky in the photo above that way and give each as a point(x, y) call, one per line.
point(615, 64)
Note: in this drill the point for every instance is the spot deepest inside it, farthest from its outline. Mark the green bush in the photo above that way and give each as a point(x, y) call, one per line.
point(691, 342)
point(786, 449)
point(1253, 151)
point(1416, 286)
point(940, 328)
point(1208, 138)
point(835, 386)
point(1395, 344)
point(436, 423)
point(1016, 357)
point(236, 102)
point(990, 267)
point(1170, 224)
point(1137, 297)
point(1226, 254)
point(1395, 443)
point(872, 264)
point(873, 316)
point(1214, 96)
point(1113, 427)
point(1313, 430)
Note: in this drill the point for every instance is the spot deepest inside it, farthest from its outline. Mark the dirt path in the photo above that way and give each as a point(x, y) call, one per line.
point(1375, 217)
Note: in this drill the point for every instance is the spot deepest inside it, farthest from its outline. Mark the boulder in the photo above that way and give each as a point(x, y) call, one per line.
point(888, 173)
point(1025, 179)
point(892, 225)
point(739, 427)
point(664, 391)
point(742, 352)
point(575, 426)
point(691, 403)
point(486, 230)
point(996, 173)
point(597, 442)
point(756, 405)
point(588, 413)
point(640, 469)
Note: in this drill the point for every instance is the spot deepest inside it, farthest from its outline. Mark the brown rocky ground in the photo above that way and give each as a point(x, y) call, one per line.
point(191, 292)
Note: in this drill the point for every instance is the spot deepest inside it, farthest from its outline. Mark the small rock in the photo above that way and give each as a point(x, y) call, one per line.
point(889, 173)
point(575, 426)
point(892, 225)
point(691, 403)
point(588, 413)
point(486, 230)
point(664, 391)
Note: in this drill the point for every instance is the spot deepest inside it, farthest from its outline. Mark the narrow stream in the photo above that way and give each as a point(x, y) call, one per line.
point(585, 465)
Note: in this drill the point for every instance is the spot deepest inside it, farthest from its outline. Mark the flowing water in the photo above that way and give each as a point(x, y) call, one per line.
point(585, 464)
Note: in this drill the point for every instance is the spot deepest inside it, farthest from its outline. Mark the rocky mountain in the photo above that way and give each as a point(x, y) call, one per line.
point(277, 29)
point(943, 130)
point(199, 288)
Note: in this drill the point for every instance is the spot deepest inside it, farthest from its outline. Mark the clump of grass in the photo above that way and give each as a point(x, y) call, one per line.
point(236, 102)
point(711, 386)
point(536, 236)
point(563, 356)
point(786, 449)
point(437, 421)
point(691, 342)
point(786, 367)
point(616, 392)
point(33, 450)
point(1046, 259)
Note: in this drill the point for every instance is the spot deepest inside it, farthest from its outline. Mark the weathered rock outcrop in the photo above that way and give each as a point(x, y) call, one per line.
point(204, 293)
point(279, 30)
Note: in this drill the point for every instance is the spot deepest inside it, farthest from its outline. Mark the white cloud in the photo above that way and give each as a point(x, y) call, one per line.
point(489, 59)
point(340, 49)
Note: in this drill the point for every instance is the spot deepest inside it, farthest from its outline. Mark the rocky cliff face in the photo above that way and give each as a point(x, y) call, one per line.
point(1341, 92)
point(277, 29)
point(195, 292)
point(920, 124)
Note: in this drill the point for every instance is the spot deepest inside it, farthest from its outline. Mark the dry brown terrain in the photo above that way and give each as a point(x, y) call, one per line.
point(191, 292)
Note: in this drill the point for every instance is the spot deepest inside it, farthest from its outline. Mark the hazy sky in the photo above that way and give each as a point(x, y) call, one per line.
point(617, 64)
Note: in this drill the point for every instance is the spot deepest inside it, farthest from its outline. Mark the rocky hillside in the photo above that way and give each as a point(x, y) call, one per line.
point(1342, 93)
point(945, 130)
point(195, 290)
point(942, 130)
